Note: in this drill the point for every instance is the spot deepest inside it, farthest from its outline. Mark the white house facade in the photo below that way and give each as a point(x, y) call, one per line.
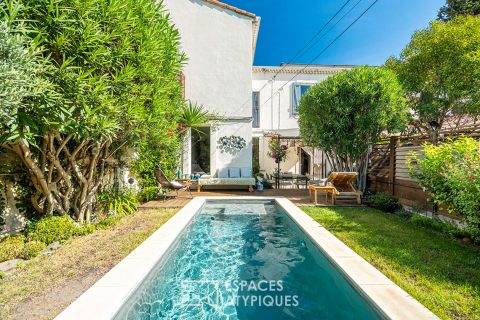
point(253, 103)
point(276, 95)
point(219, 41)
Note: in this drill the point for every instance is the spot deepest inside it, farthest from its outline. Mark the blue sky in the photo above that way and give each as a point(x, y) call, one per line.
point(287, 25)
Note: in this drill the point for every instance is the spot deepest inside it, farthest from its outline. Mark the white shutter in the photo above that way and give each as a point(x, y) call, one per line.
point(296, 96)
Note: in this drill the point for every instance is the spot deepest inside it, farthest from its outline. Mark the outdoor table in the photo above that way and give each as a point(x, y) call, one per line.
point(279, 179)
point(314, 189)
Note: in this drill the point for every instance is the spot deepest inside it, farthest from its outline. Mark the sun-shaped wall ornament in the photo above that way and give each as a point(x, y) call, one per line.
point(231, 144)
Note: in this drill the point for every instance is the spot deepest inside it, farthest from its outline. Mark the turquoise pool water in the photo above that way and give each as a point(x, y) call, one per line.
point(245, 260)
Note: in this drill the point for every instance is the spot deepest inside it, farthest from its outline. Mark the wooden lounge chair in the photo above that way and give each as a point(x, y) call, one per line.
point(163, 181)
point(342, 181)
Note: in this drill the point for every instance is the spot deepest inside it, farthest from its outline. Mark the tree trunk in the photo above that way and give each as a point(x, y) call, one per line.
point(347, 164)
point(66, 174)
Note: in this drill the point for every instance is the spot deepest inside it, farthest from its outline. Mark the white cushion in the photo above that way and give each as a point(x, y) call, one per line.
point(321, 182)
point(234, 172)
point(246, 172)
point(227, 181)
point(223, 173)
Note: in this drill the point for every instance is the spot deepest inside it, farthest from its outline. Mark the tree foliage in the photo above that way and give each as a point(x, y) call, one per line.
point(455, 8)
point(451, 173)
point(440, 69)
point(347, 112)
point(191, 116)
point(24, 89)
point(194, 115)
point(103, 77)
point(277, 151)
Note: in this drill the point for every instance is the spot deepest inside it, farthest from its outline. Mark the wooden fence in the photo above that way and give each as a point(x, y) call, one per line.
point(388, 171)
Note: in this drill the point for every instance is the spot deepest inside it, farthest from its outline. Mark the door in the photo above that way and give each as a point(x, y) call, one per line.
point(200, 150)
point(304, 163)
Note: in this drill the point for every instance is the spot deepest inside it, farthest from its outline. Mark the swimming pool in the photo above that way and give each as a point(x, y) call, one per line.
point(244, 258)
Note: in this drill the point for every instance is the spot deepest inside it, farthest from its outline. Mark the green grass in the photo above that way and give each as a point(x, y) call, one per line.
point(443, 274)
point(44, 287)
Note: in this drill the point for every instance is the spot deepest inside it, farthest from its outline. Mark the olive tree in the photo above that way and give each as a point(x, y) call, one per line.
point(104, 78)
point(440, 70)
point(346, 113)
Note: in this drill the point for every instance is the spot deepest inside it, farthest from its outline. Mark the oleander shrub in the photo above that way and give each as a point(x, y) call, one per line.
point(84, 82)
point(11, 247)
point(347, 112)
point(385, 202)
point(51, 229)
point(451, 173)
point(32, 249)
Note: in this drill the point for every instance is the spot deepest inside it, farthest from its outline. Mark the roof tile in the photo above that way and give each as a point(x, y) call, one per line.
point(231, 8)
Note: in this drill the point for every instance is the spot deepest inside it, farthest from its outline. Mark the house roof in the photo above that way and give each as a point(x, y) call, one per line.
point(303, 69)
point(256, 28)
point(255, 22)
point(231, 8)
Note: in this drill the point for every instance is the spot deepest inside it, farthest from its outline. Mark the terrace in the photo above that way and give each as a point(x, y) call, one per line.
point(298, 196)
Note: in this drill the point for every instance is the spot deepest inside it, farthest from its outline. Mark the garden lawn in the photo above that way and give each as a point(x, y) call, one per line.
point(443, 274)
point(48, 284)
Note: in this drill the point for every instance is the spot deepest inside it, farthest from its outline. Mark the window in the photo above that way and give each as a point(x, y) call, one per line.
point(256, 109)
point(298, 90)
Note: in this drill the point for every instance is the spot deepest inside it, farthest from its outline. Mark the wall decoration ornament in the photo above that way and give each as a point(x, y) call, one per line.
point(231, 144)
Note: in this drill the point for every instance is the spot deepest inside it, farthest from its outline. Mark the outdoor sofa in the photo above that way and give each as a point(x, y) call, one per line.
point(228, 178)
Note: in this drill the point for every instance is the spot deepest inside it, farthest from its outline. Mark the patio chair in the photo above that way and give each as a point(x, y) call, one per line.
point(270, 178)
point(164, 182)
point(342, 181)
point(301, 181)
point(287, 180)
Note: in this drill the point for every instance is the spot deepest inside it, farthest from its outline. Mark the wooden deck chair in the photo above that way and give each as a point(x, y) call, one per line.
point(342, 181)
point(163, 181)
